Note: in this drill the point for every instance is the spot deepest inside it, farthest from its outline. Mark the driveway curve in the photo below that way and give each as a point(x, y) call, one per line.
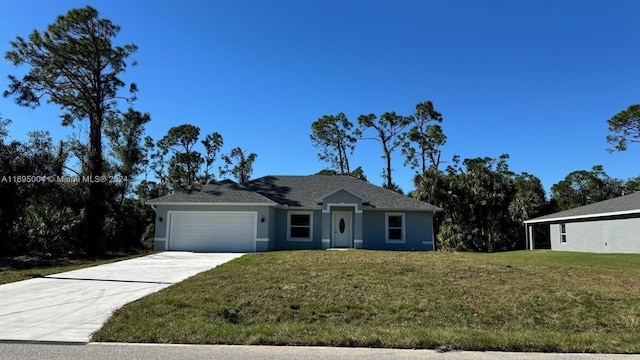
point(68, 307)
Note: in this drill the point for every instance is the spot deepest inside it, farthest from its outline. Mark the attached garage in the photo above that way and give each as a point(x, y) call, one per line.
point(212, 231)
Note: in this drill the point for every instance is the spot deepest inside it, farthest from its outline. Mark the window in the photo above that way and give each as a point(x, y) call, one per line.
point(394, 227)
point(300, 225)
point(563, 233)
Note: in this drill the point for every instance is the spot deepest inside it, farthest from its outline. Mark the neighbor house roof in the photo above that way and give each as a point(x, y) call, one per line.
point(307, 191)
point(224, 192)
point(299, 191)
point(623, 205)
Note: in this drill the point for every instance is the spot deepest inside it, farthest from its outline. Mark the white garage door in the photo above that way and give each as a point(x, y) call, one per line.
point(212, 231)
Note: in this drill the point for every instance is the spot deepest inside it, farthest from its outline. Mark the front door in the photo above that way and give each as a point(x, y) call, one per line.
point(342, 229)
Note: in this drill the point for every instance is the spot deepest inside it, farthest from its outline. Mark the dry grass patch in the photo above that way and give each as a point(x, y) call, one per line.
point(533, 300)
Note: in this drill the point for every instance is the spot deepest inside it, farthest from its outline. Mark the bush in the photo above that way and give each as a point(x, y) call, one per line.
point(48, 230)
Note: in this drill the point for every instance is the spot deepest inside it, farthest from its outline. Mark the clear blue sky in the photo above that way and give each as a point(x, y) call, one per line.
point(535, 79)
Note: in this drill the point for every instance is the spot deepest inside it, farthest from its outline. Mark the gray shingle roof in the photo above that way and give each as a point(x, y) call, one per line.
point(628, 204)
point(302, 191)
point(224, 192)
point(305, 191)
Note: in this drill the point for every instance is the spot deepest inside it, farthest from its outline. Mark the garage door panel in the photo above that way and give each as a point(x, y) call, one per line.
point(213, 231)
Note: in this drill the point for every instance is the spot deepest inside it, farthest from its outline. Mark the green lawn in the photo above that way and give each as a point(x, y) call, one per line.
point(529, 300)
point(23, 268)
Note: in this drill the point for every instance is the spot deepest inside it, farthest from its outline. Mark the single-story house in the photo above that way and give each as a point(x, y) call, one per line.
point(292, 212)
point(610, 226)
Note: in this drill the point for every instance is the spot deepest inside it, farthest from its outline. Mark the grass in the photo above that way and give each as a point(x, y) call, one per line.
point(519, 301)
point(14, 269)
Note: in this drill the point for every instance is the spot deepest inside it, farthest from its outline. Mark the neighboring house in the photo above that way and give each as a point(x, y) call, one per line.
point(292, 212)
point(610, 226)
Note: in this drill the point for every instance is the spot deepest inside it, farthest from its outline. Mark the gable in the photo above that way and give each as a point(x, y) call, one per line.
point(342, 196)
point(311, 191)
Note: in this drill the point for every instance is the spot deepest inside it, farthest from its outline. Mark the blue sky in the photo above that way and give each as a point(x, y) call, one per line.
point(534, 79)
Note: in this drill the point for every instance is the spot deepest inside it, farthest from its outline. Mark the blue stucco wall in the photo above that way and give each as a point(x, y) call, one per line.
point(418, 231)
point(280, 236)
point(418, 226)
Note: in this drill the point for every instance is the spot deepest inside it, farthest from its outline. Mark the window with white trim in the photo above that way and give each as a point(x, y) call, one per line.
point(300, 226)
point(563, 233)
point(394, 227)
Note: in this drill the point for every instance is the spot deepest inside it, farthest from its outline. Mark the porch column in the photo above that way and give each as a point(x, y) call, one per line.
point(531, 236)
point(357, 229)
point(326, 228)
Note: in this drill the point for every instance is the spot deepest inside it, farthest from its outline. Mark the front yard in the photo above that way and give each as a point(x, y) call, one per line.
point(529, 300)
point(27, 267)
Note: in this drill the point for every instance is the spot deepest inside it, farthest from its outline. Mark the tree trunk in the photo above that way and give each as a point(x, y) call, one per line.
point(388, 156)
point(94, 216)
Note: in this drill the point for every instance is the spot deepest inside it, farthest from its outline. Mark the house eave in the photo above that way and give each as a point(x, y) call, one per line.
point(208, 203)
point(580, 217)
point(401, 209)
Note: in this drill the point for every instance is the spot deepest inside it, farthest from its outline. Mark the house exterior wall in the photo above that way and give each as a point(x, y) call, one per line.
point(161, 228)
point(272, 228)
point(617, 235)
point(280, 241)
point(368, 225)
point(418, 231)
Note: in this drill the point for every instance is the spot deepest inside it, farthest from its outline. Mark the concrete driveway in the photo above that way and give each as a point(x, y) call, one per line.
point(69, 306)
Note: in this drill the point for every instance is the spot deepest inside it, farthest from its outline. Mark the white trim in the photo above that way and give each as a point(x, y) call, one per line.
point(357, 241)
point(370, 208)
point(255, 243)
point(353, 205)
point(326, 240)
point(386, 228)
point(171, 212)
point(294, 212)
point(211, 203)
point(563, 234)
point(161, 239)
point(588, 216)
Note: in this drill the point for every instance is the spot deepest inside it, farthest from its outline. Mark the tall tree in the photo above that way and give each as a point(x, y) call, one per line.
point(4, 123)
point(583, 187)
point(74, 65)
point(185, 162)
point(427, 137)
point(212, 144)
point(238, 164)
point(484, 203)
point(625, 128)
point(333, 135)
point(529, 198)
point(124, 132)
point(389, 130)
